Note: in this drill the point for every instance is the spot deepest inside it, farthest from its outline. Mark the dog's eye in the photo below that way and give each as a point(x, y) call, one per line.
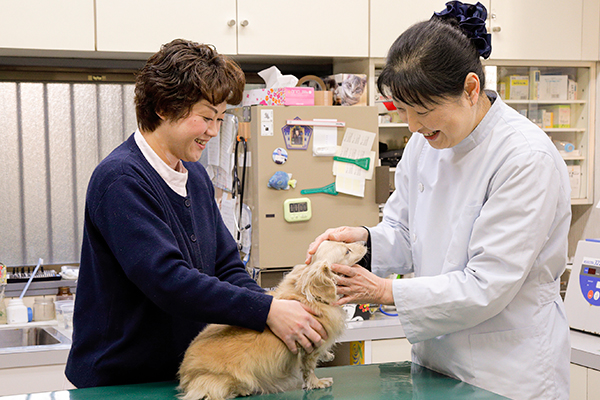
point(348, 251)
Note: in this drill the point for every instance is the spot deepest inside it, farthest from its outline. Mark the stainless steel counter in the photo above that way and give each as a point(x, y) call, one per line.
point(36, 355)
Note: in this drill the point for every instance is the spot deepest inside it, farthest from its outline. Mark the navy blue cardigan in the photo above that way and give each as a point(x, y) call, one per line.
point(155, 269)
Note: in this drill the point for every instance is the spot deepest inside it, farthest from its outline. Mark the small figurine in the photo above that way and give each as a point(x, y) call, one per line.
point(281, 181)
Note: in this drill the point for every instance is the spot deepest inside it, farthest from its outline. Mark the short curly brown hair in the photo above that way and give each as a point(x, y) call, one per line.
point(181, 74)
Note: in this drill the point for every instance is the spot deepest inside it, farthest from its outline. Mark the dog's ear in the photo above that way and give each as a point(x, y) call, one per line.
point(317, 283)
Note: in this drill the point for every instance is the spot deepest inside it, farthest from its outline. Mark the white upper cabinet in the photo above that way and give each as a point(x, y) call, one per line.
point(389, 18)
point(246, 27)
point(47, 25)
point(521, 29)
point(332, 28)
point(537, 29)
point(144, 25)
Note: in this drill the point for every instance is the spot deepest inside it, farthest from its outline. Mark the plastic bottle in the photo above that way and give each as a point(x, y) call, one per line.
point(564, 147)
point(17, 312)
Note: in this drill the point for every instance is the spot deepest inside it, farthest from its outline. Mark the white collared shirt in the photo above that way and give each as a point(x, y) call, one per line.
point(175, 178)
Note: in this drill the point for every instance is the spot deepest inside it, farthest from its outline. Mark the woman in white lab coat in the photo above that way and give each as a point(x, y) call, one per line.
point(480, 214)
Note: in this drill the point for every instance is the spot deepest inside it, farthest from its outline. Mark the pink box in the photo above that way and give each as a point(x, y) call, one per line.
point(287, 96)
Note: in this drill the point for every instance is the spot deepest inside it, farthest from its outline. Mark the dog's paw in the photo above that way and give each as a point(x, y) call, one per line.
point(328, 356)
point(318, 383)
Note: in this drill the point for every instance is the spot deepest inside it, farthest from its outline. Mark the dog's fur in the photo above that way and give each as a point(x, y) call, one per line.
point(227, 361)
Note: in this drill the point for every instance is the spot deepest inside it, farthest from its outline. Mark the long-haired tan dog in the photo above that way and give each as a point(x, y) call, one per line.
point(227, 361)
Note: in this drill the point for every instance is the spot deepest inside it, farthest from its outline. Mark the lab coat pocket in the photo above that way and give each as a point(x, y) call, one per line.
point(458, 247)
point(508, 362)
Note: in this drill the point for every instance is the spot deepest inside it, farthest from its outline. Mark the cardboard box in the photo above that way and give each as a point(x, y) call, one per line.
point(553, 87)
point(575, 179)
point(562, 116)
point(517, 87)
point(572, 90)
point(502, 90)
point(287, 96)
point(348, 89)
point(547, 119)
point(534, 83)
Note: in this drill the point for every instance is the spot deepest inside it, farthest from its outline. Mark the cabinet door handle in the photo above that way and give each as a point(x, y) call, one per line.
point(244, 23)
point(231, 22)
point(496, 29)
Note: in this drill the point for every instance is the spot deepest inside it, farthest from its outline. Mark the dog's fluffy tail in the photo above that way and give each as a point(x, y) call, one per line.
point(209, 387)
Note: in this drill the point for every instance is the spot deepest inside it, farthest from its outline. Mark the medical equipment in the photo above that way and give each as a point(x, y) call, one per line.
point(582, 299)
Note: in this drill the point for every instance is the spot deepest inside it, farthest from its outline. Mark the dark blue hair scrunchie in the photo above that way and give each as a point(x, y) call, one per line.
point(471, 20)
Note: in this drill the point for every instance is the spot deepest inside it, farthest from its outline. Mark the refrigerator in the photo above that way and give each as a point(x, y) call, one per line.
point(281, 226)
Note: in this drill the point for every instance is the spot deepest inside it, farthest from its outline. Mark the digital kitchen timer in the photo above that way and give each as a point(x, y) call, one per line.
point(296, 210)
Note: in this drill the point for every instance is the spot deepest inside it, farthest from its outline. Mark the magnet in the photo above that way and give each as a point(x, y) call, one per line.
point(280, 155)
point(281, 181)
point(297, 137)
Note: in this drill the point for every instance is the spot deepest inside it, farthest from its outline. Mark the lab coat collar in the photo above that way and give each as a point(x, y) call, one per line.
point(481, 131)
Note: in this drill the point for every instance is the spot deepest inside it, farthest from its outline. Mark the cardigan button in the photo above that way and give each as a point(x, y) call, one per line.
point(187, 202)
point(193, 238)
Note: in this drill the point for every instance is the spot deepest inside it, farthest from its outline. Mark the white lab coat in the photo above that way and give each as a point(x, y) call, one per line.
point(484, 227)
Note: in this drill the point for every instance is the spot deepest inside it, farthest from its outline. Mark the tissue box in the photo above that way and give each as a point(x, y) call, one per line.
point(286, 96)
point(348, 89)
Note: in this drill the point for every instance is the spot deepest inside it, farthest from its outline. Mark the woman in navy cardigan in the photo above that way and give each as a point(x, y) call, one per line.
point(157, 262)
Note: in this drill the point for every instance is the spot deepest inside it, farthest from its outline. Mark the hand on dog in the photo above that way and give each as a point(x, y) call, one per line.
point(293, 322)
point(358, 285)
point(347, 234)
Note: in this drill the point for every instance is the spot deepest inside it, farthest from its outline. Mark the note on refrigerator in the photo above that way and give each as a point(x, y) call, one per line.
point(350, 178)
point(324, 139)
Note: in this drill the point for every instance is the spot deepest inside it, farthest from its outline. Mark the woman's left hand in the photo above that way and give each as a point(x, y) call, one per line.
point(358, 285)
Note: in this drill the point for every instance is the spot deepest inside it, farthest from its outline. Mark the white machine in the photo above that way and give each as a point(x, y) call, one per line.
point(582, 300)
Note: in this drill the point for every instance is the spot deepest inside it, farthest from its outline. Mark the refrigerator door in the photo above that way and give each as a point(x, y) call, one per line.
point(276, 242)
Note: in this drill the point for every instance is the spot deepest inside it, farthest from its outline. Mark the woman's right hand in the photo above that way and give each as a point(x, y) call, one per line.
point(347, 234)
point(293, 322)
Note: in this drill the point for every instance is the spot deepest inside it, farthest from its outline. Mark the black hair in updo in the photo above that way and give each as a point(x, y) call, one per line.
point(429, 62)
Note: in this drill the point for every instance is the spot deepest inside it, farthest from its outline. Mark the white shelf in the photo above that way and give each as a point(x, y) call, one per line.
point(557, 130)
point(573, 158)
point(576, 202)
point(394, 125)
point(582, 129)
point(545, 101)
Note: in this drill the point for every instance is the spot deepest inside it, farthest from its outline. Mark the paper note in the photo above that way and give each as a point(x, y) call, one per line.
point(325, 139)
point(350, 185)
point(227, 210)
point(216, 158)
point(350, 178)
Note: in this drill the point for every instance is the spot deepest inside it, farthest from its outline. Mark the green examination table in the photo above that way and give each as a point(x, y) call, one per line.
point(365, 382)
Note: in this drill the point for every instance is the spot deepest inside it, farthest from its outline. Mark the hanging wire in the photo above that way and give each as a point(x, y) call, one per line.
point(237, 190)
